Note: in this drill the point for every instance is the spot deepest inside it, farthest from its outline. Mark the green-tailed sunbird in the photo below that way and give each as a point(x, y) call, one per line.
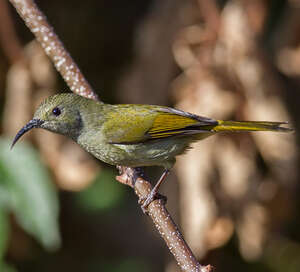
point(132, 135)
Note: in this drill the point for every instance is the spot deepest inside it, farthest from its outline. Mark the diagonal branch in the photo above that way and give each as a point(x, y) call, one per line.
point(163, 222)
point(37, 23)
point(54, 48)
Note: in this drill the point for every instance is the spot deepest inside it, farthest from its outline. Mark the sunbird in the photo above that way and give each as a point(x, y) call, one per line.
point(130, 134)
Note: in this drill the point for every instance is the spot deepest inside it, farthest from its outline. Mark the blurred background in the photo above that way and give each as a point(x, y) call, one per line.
point(235, 197)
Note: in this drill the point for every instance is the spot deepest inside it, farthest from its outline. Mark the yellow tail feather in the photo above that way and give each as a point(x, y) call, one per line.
point(250, 126)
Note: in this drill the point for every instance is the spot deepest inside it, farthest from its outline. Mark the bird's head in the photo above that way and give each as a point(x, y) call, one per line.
point(58, 113)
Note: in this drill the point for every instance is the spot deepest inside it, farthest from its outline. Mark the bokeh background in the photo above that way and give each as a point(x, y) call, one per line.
point(235, 197)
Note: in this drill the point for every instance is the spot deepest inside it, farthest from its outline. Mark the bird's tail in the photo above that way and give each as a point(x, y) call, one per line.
point(250, 126)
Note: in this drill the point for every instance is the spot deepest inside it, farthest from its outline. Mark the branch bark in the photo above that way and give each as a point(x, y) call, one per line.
point(54, 48)
point(44, 33)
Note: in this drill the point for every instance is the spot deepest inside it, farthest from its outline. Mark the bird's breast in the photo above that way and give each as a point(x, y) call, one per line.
point(156, 152)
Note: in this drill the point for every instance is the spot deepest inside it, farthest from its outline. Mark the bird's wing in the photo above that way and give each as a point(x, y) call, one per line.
point(139, 123)
point(172, 122)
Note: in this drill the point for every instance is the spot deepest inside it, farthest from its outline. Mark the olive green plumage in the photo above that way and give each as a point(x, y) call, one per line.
point(131, 135)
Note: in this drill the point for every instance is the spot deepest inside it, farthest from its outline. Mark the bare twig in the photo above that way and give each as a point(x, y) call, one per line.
point(37, 23)
point(163, 222)
point(54, 48)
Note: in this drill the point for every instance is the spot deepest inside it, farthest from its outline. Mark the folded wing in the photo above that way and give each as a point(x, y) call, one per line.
point(140, 124)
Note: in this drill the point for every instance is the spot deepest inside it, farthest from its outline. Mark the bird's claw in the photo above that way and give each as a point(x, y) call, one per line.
point(146, 201)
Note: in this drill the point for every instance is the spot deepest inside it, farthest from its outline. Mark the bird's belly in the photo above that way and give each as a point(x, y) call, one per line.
point(144, 154)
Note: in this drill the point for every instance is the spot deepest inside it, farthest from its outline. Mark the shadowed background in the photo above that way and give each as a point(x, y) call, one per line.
point(234, 196)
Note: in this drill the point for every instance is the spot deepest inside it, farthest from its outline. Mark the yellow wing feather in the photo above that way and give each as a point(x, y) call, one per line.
point(168, 124)
point(169, 121)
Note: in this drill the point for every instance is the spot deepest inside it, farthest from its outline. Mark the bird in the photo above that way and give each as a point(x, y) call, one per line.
point(132, 135)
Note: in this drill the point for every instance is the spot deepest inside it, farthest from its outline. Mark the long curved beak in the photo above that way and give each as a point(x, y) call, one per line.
point(34, 123)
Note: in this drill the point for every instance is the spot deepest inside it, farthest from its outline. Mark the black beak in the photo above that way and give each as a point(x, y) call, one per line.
point(34, 123)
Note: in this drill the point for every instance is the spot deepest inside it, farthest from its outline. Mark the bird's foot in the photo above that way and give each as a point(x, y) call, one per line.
point(154, 192)
point(145, 202)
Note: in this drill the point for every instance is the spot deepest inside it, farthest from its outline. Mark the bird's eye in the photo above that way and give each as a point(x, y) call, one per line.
point(56, 111)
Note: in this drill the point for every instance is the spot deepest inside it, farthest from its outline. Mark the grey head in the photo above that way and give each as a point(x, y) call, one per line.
point(58, 113)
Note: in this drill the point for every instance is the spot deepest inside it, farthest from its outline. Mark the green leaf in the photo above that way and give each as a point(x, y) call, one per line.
point(33, 197)
point(6, 268)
